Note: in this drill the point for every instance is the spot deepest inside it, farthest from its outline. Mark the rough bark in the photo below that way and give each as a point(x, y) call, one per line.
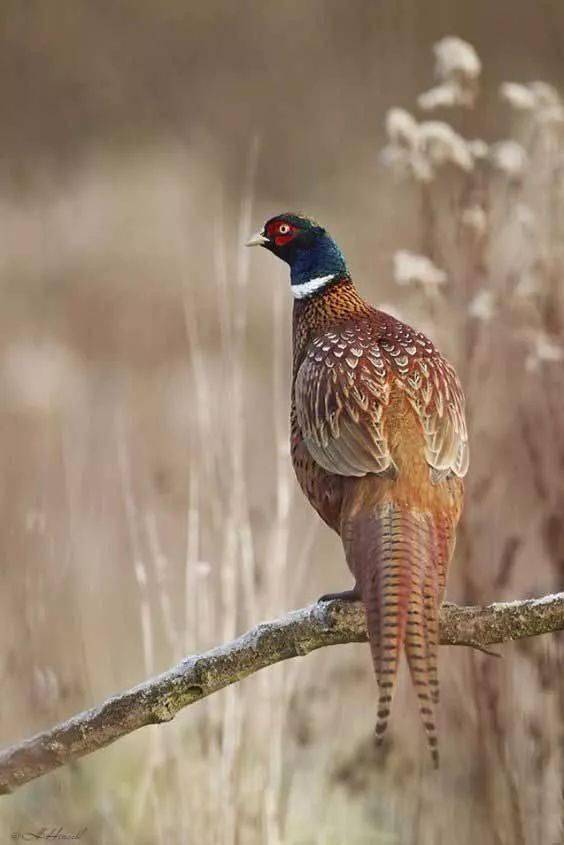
point(160, 698)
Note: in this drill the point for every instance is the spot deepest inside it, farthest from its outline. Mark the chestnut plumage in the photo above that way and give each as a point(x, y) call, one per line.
point(379, 446)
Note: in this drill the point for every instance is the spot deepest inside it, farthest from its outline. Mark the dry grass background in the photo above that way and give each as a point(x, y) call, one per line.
point(148, 503)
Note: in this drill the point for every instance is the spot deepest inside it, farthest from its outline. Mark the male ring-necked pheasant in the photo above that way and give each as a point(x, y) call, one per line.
point(379, 446)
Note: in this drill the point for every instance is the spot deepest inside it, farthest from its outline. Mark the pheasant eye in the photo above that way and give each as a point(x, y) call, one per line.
point(283, 229)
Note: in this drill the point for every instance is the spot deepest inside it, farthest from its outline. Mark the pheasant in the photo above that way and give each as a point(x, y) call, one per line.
point(379, 446)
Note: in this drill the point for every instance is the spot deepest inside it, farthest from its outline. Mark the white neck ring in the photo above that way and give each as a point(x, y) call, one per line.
point(308, 288)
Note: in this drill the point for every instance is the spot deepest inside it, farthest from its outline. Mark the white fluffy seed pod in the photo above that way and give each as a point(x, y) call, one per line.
point(456, 58)
point(412, 268)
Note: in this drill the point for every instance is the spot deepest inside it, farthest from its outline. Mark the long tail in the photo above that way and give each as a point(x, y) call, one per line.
point(395, 556)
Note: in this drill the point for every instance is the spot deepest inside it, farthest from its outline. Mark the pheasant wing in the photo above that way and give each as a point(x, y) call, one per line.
point(341, 392)
point(441, 410)
point(343, 386)
point(435, 394)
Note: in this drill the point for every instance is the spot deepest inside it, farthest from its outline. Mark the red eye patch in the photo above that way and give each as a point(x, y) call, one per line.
point(280, 232)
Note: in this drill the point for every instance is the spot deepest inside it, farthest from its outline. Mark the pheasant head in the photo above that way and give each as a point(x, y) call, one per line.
point(314, 258)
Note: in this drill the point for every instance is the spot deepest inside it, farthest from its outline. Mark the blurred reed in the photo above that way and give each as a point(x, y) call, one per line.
point(153, 510)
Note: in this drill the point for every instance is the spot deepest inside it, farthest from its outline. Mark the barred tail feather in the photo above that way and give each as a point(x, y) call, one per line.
point(394, 555)
point(421, 644)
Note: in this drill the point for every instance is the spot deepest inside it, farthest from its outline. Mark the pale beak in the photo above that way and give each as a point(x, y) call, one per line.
point(257, 240)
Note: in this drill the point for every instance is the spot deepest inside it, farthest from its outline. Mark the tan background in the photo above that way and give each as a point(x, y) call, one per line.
point(147, 500)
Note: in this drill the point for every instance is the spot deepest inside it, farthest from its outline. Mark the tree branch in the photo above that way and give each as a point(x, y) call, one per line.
point(160, 698)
